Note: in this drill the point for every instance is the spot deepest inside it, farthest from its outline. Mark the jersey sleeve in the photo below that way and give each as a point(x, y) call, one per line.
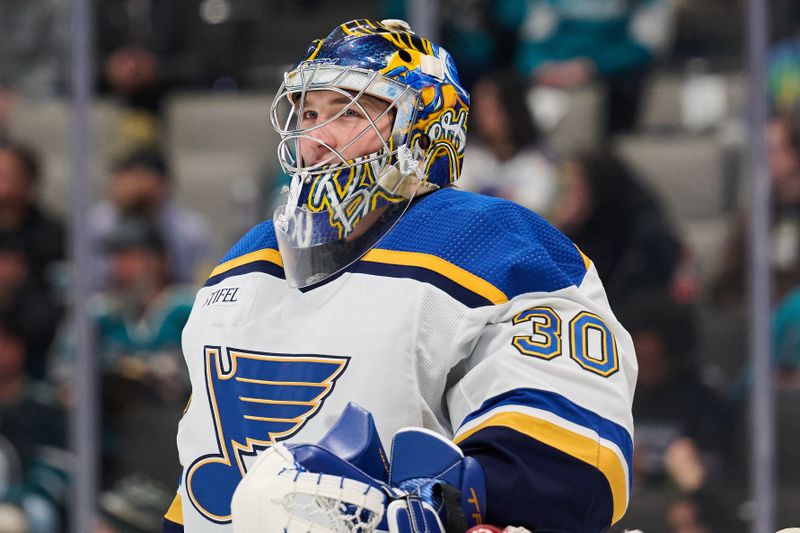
point(544, 398)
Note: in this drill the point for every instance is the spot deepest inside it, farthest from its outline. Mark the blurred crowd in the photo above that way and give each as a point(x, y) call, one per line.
point(523, 61)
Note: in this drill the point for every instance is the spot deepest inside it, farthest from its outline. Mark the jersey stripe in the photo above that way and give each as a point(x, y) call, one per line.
point(171, 527)
point(553, 420)
point(453, 289)
point(563, 408)
point(532, 484)
point(173, 520)
point(267, 261)
point(268, 254)
point(481, 250)
point(461, 285)
point(437, 264)
point(502, 243)
point(586, 261)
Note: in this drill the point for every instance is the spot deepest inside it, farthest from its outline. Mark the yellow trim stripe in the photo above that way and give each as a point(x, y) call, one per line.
point(267, 419)
point(440, 266)
point(175, 511)
point(586, 261)
point(579, 446)
point(316, 50)
point(281, 383)
point(276, 402)
point(267, 254)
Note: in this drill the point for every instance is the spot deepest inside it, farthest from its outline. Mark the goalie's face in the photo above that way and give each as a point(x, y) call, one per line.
point(339, 129)
point(346, 143)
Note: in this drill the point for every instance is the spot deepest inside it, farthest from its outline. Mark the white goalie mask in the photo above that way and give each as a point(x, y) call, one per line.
point(338, 207)
point(348, 190)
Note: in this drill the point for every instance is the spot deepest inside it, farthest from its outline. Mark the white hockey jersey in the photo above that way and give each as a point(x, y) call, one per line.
point(472, 317)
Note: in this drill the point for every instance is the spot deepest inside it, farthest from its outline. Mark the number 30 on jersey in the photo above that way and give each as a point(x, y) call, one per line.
point(591, 342)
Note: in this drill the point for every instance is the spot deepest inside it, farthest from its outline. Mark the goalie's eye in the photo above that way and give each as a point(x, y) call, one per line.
point(310, 115)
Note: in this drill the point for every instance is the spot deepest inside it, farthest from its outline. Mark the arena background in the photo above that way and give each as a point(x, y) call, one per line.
point(200, 95)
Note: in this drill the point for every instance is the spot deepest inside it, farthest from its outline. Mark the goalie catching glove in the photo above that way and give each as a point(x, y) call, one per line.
point(343, 484)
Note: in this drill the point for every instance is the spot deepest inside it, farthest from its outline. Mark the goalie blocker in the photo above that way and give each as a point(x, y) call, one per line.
point(344, 484)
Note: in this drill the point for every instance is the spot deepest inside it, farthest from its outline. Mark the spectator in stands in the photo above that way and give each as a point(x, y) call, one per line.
point(567, 44)
point(786, 342)
point(32, 437)
point(32, 52)
point(783, 76)
point(36, 312)
point(140, 187)
point(784, 20)
point(41, 235)
point(138, 324)
point(511, 160)
point(481, 35)
point(143, 50)
point(783, 60)
point(133, 77)
point(785, 347)
point(683, 428)
point(158, 28)
point(141, 317)
point(684, 516)
point(617, 222)
point(728, 288)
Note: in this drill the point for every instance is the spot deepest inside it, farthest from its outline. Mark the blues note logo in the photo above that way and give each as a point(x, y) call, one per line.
point(256, 399)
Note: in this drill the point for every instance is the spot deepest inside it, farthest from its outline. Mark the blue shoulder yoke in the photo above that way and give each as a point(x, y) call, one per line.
point(492, 248)
point(481, 250)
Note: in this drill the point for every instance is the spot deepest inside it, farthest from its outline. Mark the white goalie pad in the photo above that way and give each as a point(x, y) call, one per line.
point(277, 496)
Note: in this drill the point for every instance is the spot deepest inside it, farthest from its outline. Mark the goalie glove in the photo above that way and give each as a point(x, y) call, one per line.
point(439, 482)
point(307, 488)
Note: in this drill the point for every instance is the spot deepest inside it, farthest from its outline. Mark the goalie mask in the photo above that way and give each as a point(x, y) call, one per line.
point(400, 104)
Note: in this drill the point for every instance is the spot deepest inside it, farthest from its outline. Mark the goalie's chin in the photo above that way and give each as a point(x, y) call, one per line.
point(277, 494)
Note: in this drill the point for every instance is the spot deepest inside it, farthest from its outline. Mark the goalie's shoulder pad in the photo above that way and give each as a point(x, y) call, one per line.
point(256, 251)
point(259, 237)
point(480, 250)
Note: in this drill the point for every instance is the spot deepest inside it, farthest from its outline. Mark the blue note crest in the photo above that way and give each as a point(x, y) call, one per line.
point(256, 399)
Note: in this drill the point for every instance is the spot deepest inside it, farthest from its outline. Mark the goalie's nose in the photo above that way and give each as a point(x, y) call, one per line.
point(319, 147)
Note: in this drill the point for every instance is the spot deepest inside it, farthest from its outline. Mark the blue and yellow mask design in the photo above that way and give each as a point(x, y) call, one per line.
point(330, 198)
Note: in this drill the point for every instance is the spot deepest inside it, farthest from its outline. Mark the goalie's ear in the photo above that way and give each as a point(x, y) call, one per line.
point(354, 438)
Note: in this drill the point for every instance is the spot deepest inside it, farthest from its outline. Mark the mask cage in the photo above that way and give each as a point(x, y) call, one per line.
point(351, 82)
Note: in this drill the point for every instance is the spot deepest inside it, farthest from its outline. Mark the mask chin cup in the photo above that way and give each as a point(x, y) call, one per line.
point(408, 186)
point(406, 179)
point(312, 249)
